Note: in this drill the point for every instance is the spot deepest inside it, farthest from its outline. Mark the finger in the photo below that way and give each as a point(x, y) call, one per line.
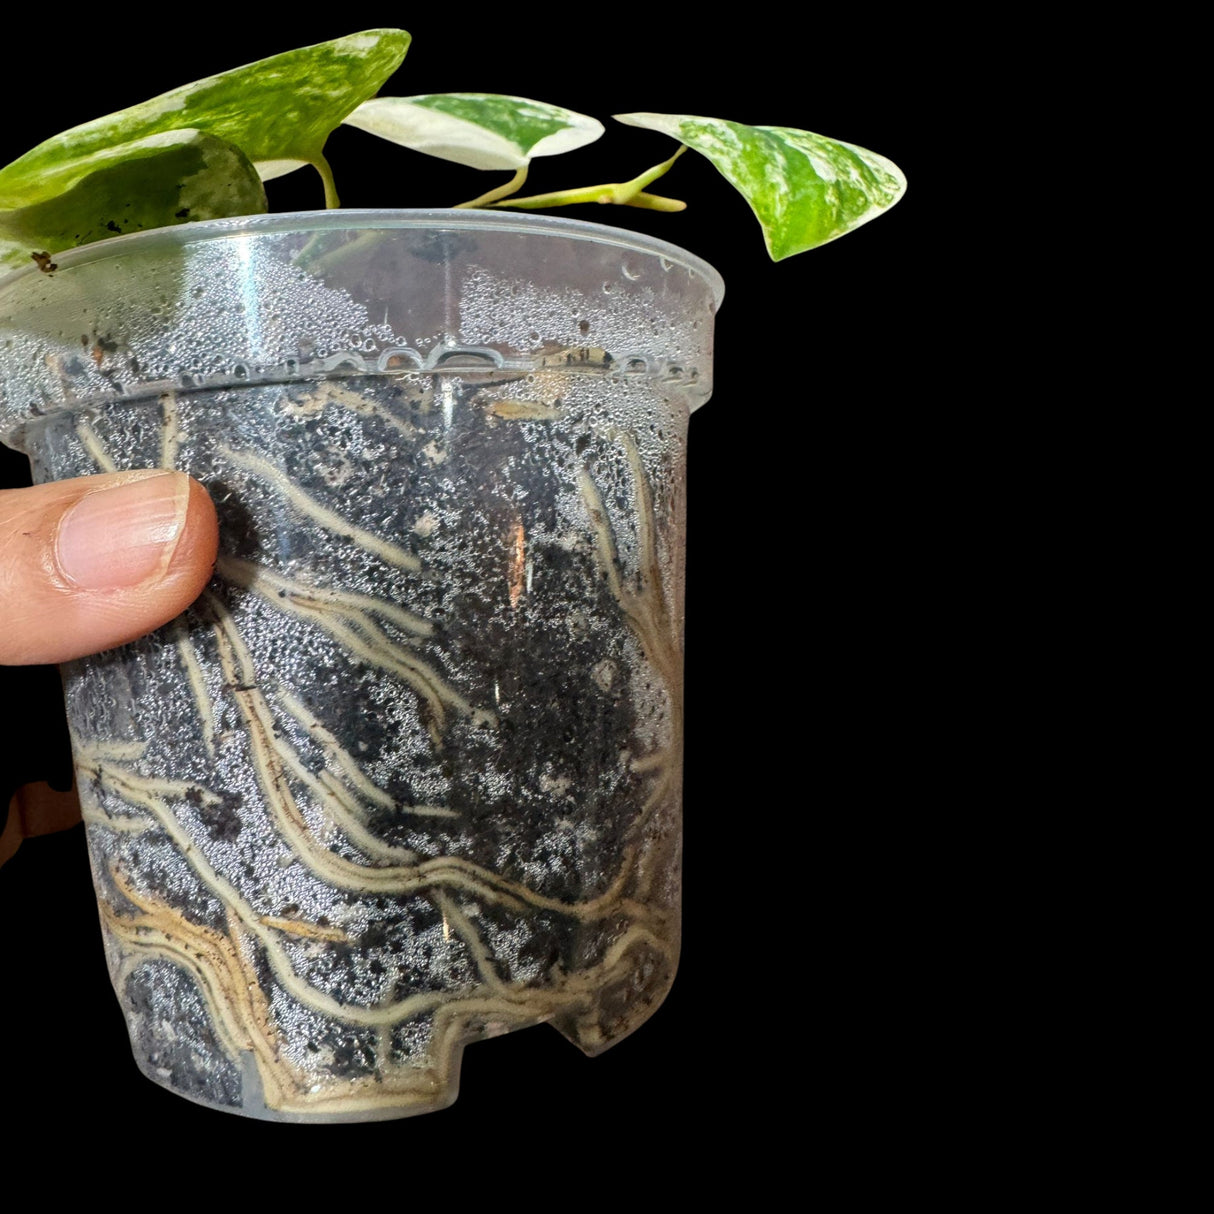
point(37, 809)
point(90, 563)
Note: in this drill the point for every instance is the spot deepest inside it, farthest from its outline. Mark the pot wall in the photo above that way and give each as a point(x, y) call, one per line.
point(409, 772)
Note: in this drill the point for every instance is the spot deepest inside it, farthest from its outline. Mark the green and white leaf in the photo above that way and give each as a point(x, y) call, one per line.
point(278, 111)
point(805, 189)
point(480, 130)
point(163, 179)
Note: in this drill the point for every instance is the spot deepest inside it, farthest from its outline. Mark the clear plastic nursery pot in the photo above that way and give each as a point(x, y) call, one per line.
point(408, 773)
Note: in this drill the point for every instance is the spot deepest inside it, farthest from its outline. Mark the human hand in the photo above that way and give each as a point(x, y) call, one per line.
point(88, 564)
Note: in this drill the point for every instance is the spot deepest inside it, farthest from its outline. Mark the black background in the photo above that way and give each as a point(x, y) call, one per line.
point(811, 551)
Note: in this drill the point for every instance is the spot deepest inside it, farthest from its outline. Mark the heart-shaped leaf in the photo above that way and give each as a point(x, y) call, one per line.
point(481, 130)
point(164, 179)
point(804, 189)
point(278, 111)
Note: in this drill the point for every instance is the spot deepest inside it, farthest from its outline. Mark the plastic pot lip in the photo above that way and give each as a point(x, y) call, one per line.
point(364, 220)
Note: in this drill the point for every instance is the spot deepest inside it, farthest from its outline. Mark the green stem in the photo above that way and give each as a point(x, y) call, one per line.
point(321, 165)
point(655, 202)
point(321, 263)
point(624, 194)
point(502, 191)
point(637, 184)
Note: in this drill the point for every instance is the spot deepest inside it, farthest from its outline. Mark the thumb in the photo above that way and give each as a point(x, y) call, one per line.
point(90, 563)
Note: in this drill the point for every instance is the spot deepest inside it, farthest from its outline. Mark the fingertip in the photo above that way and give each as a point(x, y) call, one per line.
point(194, 558)
point(92, 563)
